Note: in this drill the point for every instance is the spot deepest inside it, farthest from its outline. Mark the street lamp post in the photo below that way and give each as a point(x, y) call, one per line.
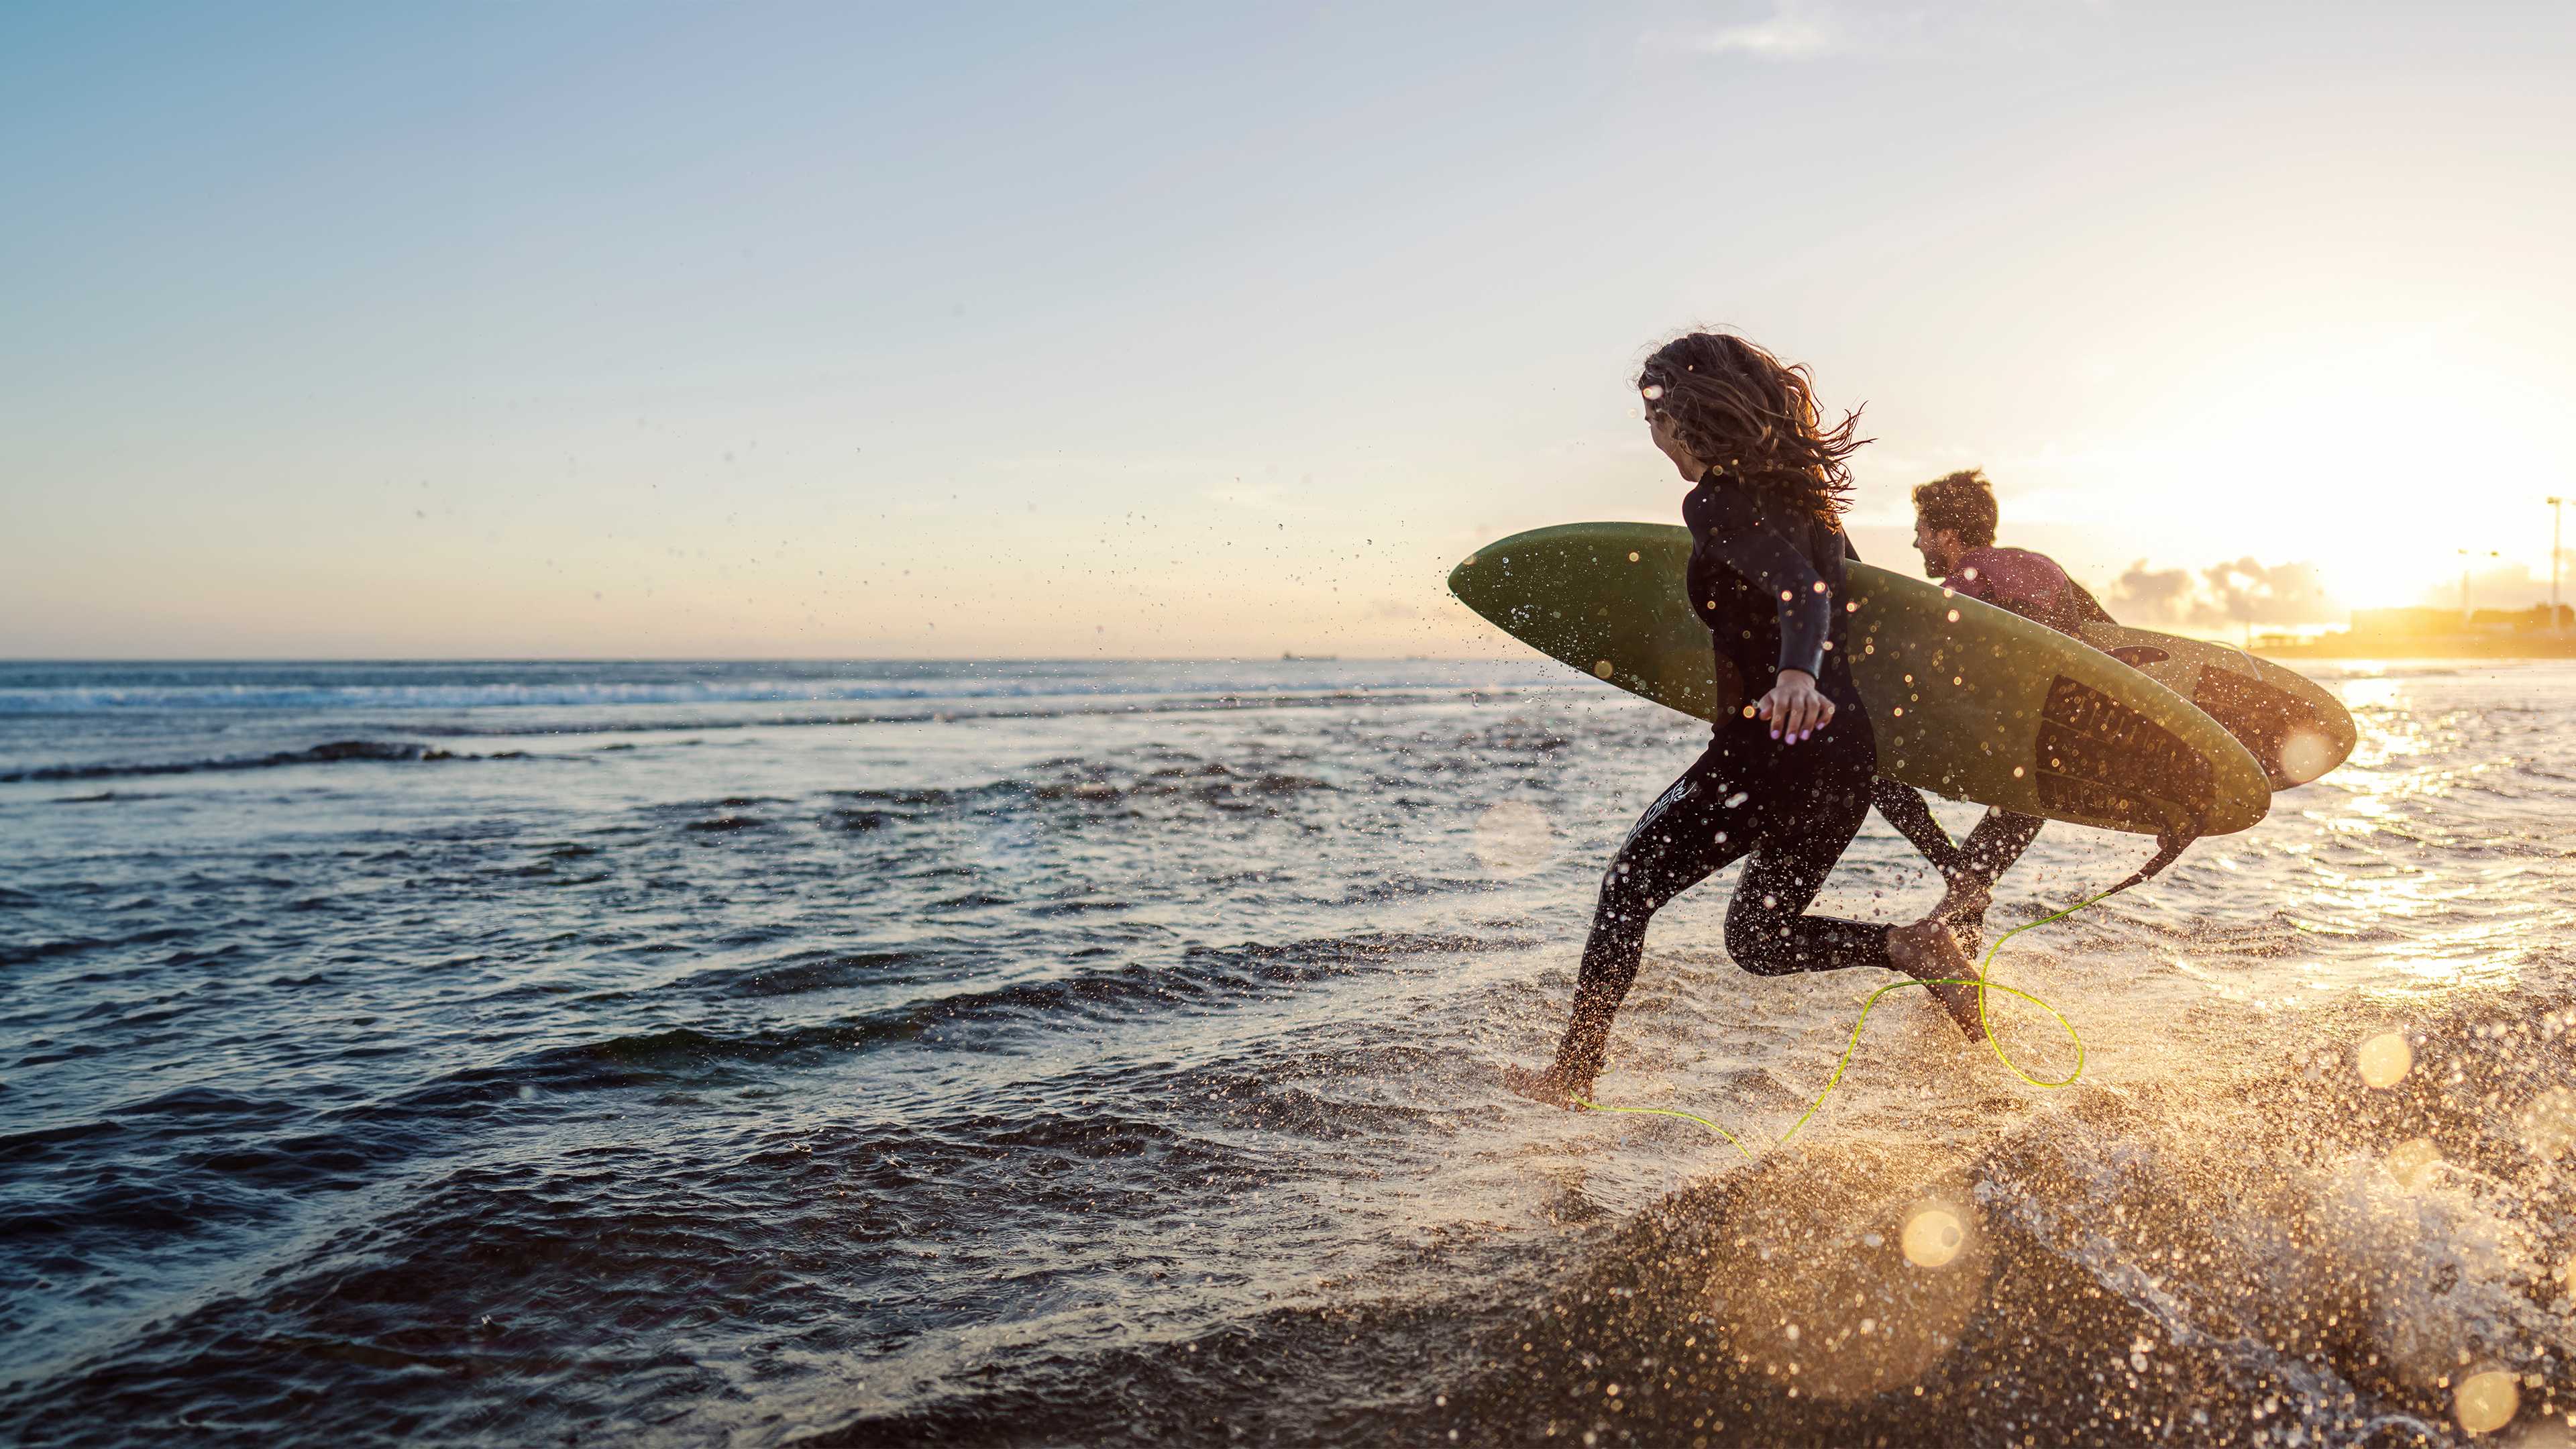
point(2468, 556)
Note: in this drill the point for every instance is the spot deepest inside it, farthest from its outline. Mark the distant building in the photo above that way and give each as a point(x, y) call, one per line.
point(2404, 623)
point(2415, 623)
point(2535, 617)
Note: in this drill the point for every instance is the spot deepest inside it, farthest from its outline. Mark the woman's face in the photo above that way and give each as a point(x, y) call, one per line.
point(1660, 424)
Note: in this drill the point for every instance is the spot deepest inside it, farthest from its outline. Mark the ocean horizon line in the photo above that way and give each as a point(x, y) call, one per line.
point(7, 660)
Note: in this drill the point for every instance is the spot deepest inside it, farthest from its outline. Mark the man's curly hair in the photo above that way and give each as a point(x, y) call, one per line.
point(1962, 502)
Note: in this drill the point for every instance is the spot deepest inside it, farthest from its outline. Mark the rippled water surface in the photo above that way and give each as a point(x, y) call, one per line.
point(1038, 1054)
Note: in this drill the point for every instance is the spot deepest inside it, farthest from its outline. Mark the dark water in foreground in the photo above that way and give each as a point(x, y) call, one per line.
point(870, 1054)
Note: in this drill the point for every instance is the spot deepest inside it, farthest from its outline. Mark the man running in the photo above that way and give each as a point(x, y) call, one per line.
point(1954, 530)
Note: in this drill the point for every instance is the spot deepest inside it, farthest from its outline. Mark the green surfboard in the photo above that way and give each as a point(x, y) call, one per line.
point(1967, 700)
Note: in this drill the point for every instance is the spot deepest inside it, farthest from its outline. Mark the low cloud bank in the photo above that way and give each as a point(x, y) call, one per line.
point(2241, 591)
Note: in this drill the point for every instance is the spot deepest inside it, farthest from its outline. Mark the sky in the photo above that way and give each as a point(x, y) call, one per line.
point(764, 330)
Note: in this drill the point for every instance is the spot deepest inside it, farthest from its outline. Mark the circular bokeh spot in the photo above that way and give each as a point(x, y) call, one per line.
point(1840, 1309)
point(2487, 1402)
point(1513, 838)
point(2412, 1162)
point(2385, 1060)
point(1933, 1237)
point(2549, 1123)
point(2305, 755)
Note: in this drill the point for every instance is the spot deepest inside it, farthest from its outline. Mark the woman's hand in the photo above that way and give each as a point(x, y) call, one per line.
point(1794, 707)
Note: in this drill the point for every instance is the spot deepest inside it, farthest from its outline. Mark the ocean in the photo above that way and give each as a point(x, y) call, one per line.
point(1078, 1053)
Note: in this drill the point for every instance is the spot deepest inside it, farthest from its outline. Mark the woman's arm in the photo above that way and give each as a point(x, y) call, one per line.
point(1737, 537)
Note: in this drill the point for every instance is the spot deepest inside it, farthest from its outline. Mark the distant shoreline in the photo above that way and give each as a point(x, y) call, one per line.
point(2467, 646)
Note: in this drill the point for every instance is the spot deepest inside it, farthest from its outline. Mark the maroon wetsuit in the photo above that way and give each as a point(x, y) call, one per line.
point(2029, 584)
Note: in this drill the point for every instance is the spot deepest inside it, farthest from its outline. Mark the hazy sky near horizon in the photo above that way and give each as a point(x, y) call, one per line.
point(678, 330)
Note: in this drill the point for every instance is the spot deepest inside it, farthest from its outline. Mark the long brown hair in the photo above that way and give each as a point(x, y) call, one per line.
point(1752, 416)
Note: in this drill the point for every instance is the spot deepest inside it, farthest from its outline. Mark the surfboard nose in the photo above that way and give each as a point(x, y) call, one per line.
point(1465, 584)
point(1482, 581)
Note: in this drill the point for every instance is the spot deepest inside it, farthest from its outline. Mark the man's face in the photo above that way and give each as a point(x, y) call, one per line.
point(1940, 548)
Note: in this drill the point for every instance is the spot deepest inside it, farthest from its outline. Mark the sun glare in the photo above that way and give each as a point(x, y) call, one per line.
point(2379, 464)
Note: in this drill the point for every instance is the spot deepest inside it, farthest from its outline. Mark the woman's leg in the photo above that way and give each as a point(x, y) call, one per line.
point(1689, 832)
point(1769, 933)
point(1767, 929)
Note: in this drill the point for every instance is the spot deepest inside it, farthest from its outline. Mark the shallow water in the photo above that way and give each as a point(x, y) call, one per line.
point(1064, 1053)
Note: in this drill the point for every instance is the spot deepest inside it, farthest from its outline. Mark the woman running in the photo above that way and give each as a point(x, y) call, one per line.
point(1787, 780)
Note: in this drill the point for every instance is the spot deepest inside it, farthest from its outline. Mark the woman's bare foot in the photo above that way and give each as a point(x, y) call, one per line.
point(1550, 1087)
point(1928, 952)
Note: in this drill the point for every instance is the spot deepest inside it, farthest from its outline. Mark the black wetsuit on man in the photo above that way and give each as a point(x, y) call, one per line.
point(1766, 576)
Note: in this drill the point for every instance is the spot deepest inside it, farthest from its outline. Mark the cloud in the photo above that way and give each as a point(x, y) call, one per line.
point(2248, 592)
point(1798, 30)
point(2152, 596)
point(1793, 31)
point(2238, 591)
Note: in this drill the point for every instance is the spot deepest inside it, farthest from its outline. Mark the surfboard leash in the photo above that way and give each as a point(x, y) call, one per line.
point(2169, 848)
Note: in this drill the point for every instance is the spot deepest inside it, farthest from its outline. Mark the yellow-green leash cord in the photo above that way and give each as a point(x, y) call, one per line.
point(1983, 986)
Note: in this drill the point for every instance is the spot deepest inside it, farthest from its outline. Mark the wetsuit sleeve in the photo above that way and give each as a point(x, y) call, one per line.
point(1903, 807)
point(1738, 538)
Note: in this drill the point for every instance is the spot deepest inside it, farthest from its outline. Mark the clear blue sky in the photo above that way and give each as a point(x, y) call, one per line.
point(766, 329)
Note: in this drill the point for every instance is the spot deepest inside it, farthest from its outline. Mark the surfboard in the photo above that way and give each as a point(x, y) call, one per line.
point(2293, 727)
point(1967, 700)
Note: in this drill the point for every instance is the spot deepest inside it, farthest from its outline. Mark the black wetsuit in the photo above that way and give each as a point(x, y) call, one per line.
point(1767, 578)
